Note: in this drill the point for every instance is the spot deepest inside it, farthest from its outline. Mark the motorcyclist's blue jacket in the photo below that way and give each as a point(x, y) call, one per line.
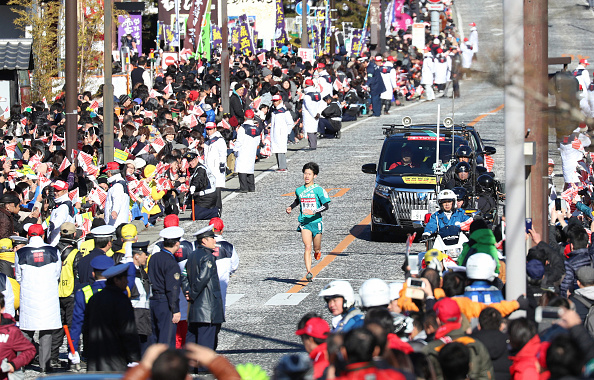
point(483, 292)
point(440, 219)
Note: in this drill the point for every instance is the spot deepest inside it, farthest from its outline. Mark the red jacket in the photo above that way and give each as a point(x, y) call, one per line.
point(12, 341)
point(319, 357)
point(525, 362)
point(364, 371)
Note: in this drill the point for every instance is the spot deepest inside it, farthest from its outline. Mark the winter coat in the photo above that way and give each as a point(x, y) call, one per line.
point(215, 157)
point(581, 308)
point(312, 106)
point(482, 241)
point(6, 223)
point(577, 259)
point(202, 283)
point(237, 108)
point(117, 200)
point(481, 367)
point(246, 147)
point(473, 39)
point(496, 343)
point(467, 54)
point(389, 78)
point(555, 269)
point(37, 269)
point(440, 220)
point(524, 363)
point(12, 341)
point(428, 71)
point(280, 127)
point(112, 335)
point(443, 66)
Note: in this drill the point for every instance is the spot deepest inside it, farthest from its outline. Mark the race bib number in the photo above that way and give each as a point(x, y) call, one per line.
point(308, 203)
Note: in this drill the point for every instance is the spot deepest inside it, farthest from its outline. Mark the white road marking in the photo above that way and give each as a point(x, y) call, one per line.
point(232, 298)
point(286, 299)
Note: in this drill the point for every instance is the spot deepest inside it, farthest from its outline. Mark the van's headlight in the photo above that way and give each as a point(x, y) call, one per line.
point(383, 191)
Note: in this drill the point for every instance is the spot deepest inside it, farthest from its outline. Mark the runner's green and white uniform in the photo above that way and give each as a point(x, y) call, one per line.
point(312, 198)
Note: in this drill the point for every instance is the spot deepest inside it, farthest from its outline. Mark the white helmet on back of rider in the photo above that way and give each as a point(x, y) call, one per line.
point(374, 292)
point(340, 288)
point(481, 266)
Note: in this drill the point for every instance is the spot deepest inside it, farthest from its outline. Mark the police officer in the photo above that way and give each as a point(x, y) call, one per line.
point(203, 290)
point(246, 148)
point(117, 205)
point(462, 177)
point(103, 238)
point(215, 158)
point(203, 196)
point(331, 121)
point(64, 211)
point(376, 85)
point(165, 275)
point(311, 113)
point(99, 264)
point(139, 296)
point(463, 154)
point(112, 335)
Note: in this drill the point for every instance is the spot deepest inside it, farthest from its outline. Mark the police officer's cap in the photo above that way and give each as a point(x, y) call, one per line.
point(16, 239)
point(190, 156)
point(462, 167)
point(103, 231)
point(172, 233)
point(141, 246)
point(115, 270)
point(102, 263)
point(327, 97)
point(205, 232)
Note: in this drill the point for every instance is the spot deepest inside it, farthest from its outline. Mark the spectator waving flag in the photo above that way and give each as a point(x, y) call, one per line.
point(94, 105)
point(73, 195)
point(337, 85)
point(577, 145)
point(261, 57)
point(85, 160)
point(570, 194)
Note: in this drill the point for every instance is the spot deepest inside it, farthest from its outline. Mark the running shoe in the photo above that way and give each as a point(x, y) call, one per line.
point(308, 276)
point(318, 255)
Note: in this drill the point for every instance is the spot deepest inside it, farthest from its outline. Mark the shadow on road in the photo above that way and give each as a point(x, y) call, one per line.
point(297, 347)
point(282, 280)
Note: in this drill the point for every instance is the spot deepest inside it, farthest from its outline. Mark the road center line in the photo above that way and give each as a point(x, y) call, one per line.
point(330, 256)
point(482, 116)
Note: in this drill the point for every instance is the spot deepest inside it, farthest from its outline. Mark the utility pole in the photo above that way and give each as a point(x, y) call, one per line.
point(224, 57)
point(374, 20)
point(108, 121)
point(70, 75)
point(382, 36)
point(304, 35)
point(536, 79)
point(515, 246)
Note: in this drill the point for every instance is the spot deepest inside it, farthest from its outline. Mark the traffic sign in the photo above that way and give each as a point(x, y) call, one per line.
point(298, 8)
point(168, 59)
point(435, 7)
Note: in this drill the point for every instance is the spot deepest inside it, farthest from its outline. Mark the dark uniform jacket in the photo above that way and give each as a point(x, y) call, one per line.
point(164, 275)
point(236, 107)
point(113, 338)
point(202, 283)
point(85, 271)
point(200, 180)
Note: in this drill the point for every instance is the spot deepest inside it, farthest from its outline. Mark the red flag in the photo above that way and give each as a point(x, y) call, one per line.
point(168, 89)
point(85, 160)
point(256, 103)
point(489, 162)
point(198, 110)
point(73, 195)
point(148, 114)
point(193, 121)
point(10, 150)
point(94, 105)
point(337, 85)
point(24, 121)
point(154, 93)
point(65, 163)
point(144, 188)
point(158, 144)
point(261, 57)
point(577, 144)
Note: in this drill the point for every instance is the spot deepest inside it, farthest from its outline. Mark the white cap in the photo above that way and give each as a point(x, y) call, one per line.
point(103, 231)
point(172, 233)
point(395, 288)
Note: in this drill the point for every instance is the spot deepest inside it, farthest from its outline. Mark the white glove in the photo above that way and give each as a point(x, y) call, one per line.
point(5, 367)
point(192, 189)
point(75, 359)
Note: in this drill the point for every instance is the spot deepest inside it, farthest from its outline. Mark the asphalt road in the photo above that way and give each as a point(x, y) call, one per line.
point(266, 296)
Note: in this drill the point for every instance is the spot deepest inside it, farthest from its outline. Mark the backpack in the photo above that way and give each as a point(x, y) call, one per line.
point(66, 285)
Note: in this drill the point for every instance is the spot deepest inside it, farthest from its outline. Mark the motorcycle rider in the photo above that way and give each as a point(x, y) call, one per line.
point(340, 299)
point(463, 177)
point(480, 268)
point(449, 218)
point(463, 154)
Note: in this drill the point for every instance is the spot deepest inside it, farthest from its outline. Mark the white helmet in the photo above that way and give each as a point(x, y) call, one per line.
point(447, 195)
point(374, 292)
point(395, 288)
point(340, 288)
point(481, 266)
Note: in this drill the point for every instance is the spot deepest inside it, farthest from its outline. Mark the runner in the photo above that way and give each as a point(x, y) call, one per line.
point(313, 200)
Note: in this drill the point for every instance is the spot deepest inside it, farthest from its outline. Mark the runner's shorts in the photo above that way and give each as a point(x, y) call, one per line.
point(315, 227)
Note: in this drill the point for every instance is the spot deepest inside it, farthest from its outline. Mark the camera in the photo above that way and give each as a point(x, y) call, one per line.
point(414, 288)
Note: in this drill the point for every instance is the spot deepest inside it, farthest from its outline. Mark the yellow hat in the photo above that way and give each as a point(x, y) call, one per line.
point(433, 253)
point(129, 231)
point(5, 244)
point(149, 170)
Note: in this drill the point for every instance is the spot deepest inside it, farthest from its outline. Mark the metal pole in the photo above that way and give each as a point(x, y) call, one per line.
point(304, 37)
point(177, 29)
point(108, 121)
point(382, 36)
point(513, 13)
point(225, 57)
point(70, 75)
point(536, 79)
